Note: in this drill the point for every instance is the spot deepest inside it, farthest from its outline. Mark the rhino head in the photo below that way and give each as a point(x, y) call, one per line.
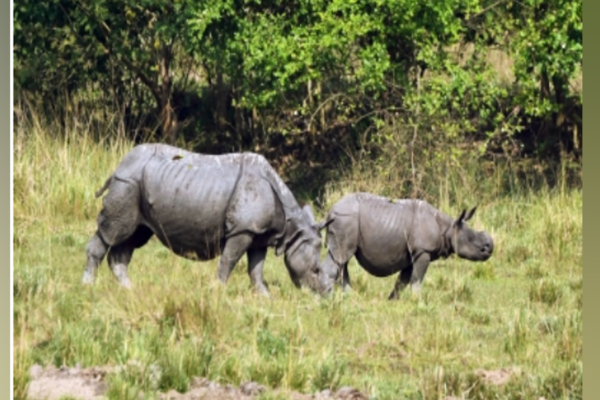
point(302, 247)
point(468, 243)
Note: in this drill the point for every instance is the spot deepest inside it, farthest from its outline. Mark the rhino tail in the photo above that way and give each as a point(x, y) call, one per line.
point(103, 188)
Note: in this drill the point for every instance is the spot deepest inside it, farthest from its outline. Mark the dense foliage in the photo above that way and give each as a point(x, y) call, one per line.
point(315, 80)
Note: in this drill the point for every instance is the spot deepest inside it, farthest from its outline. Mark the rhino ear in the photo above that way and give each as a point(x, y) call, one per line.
point(288, 242)
point(308, 211)
point(461, 218)
point(324, 224)
point(280, 248)
point(470, 214)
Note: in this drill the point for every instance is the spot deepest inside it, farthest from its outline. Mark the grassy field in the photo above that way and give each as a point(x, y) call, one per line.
point(521, 310)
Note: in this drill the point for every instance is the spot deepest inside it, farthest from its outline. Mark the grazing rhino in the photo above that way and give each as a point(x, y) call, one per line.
point(403, 236)
point(202, 206)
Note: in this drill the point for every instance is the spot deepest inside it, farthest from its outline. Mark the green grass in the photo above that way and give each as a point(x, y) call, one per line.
point(522, 308)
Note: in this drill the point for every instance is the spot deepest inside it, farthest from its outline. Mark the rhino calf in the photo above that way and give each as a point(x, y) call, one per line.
point(204, 206)
point(388, 236)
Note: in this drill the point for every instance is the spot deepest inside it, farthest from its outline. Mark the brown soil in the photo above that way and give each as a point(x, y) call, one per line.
point(498, 376)
point(53, 383)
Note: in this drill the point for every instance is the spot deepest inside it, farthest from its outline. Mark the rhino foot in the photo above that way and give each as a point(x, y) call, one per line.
point(120, 272)
point(263, 292)
point(126, 283)
point(88, 279)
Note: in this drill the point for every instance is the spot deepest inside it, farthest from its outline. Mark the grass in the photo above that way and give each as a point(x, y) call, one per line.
point(521, 309)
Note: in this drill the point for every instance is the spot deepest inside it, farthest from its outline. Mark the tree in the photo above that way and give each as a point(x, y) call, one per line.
point(139, 37)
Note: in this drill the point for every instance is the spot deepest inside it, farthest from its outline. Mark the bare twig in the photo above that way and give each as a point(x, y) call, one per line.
point(488, 8)
point(329, 99)
point(415, 132)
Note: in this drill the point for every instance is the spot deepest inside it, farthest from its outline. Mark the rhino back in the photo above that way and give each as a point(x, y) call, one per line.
point(132, 165)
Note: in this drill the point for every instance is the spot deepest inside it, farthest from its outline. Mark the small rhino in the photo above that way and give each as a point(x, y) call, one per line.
point(388, 236)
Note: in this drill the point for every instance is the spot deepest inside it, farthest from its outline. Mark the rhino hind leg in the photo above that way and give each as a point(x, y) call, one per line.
point(234, 249)
point(117, 225)
point(120, 215)
point(96, 250)
point(119, 256)
point(342, 241)
point(118, 261)
point(256, 261)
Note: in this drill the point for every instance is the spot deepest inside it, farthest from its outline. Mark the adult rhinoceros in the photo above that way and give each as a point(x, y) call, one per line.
point(202, 206)
point(388, 236)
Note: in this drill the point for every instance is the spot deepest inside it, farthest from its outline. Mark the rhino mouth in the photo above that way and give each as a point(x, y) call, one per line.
point(327, 288)
point(488, 249)
point(313, 283)
point(321, 288)
point(476, 254)
point(484, 253)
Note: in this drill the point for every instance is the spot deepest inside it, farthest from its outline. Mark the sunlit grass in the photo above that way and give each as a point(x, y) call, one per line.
point(522, 308)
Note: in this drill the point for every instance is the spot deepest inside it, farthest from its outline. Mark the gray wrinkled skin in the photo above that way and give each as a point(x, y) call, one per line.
point(397, 236)
point(204, 206)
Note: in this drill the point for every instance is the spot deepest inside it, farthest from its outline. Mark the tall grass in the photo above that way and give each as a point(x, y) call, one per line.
point(522, 308)
point(58, 167)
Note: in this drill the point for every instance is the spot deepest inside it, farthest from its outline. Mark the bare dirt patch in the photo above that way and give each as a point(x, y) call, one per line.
point(53, 383)
point(497, 377)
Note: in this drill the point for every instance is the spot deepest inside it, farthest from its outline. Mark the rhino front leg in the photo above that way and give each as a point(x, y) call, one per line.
point(418, 272)
point(119, 258)
point(335, 271)
point(256, 260)
point(346, 278)
point(234, 249)
point(412, 275)
point(96, 250)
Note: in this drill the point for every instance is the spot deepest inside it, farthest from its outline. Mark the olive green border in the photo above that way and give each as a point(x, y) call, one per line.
point(6, 199)
point(591, 387)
